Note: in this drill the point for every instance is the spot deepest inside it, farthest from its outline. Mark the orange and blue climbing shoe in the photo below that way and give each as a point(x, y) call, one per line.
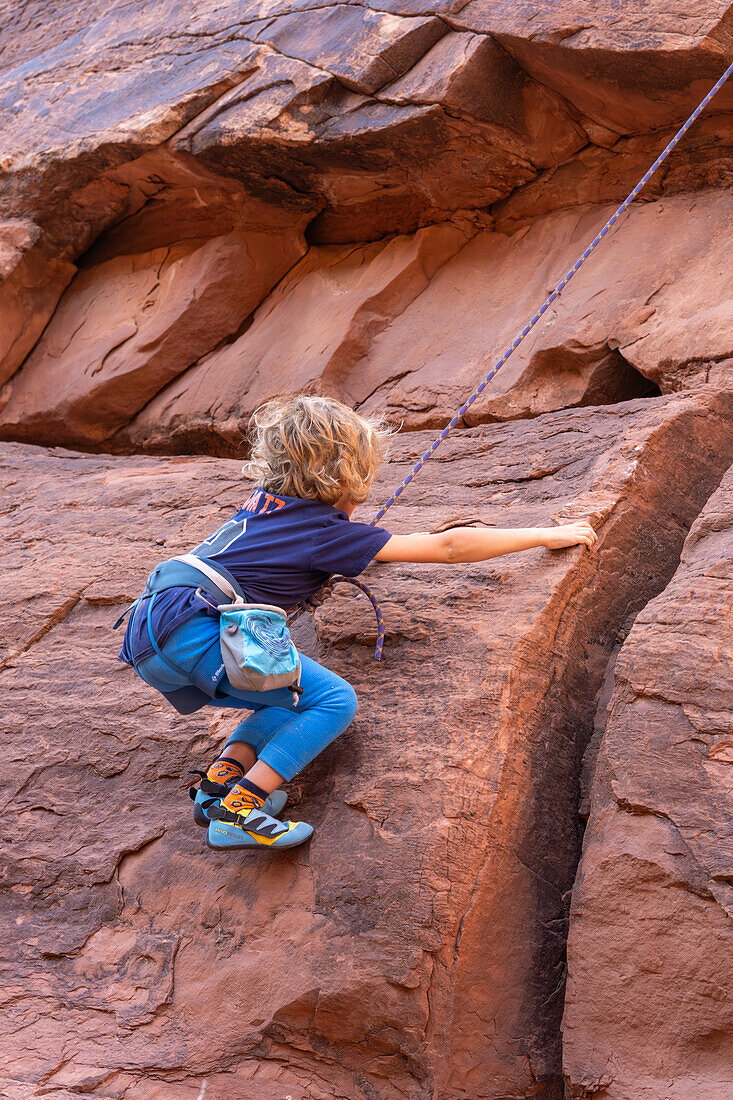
point(211, 790)
point(253, 827)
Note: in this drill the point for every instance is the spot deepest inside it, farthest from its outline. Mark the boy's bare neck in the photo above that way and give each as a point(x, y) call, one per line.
point(345, 505)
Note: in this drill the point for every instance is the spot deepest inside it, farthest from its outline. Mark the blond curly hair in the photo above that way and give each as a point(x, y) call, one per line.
point(316, 448)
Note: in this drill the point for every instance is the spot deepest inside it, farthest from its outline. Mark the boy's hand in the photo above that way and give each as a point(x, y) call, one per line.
point(570, 534)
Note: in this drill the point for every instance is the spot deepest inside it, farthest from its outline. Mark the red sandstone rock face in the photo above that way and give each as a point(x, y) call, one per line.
point(616, 63)
point(326, 115)
point(648, 1009)
point(129, 325)
point(415, 949)
point(31, 287)
point(406, 326)
point(311, 334)
point(202, 205)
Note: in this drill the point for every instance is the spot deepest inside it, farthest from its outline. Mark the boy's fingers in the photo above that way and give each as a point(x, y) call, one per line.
point(582, 533)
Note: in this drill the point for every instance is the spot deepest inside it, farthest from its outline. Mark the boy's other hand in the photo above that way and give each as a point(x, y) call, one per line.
point(570, 534)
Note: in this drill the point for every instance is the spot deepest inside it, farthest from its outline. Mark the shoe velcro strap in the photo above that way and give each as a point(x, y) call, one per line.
point(207, 786)
point(263, 824)
point(210, 786)
point(220, 813)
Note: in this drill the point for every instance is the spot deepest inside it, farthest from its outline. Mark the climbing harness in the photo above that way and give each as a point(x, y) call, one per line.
point(323, 593)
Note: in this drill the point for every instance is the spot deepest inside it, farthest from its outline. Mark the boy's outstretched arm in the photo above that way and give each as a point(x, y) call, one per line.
point(464, 544)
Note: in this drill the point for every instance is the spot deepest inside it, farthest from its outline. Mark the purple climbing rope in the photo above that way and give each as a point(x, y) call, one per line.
point(323, 593)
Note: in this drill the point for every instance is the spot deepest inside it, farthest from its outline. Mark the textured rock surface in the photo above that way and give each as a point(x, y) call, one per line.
point(162, 123)
point(405, 326)
point(205, 203)
point(616, 63)
point(129, 325)
point(416, 948)
point(313, 333)
point(648, 1010)
point(618, 319)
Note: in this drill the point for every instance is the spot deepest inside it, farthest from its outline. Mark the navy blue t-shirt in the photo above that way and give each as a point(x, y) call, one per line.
point(280, 549)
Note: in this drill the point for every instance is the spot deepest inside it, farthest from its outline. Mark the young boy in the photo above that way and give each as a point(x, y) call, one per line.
point(313, 460)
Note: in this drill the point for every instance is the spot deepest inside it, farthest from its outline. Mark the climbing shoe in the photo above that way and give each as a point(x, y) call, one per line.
point(208, 794)
point(229, 831)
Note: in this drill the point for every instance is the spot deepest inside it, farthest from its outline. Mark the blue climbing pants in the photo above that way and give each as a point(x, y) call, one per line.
point(285, 736)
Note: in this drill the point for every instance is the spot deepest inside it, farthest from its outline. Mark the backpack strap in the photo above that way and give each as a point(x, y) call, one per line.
point(217, 578)
point(169, 664)
point(192, 571)
point(119, 621)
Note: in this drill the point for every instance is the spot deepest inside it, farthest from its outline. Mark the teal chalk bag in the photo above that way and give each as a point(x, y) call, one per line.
point(256, 648)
